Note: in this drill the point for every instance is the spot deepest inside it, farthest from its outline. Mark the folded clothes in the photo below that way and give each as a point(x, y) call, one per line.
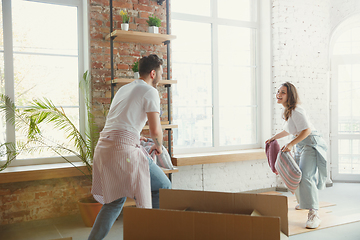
point(163, 160)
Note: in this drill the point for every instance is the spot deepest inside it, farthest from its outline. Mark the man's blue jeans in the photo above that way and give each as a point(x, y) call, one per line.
point(110, 212)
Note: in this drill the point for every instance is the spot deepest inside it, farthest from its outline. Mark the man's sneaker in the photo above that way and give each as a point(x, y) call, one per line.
point(313, 219)
point(297, 207)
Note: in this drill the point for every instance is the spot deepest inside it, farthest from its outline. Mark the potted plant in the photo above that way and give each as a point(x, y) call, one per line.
point(125, 20)
point(42, 112)
point(154, 23)
point(82, 145)
point(135, 68)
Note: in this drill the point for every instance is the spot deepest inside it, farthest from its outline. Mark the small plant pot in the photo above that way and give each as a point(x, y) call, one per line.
point(89, 209)
point(153, 29)
point(125, 26)
point(136, 75)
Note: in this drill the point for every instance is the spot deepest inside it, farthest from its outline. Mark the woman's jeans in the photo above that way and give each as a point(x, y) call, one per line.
point(110, 211)
point(310, 162)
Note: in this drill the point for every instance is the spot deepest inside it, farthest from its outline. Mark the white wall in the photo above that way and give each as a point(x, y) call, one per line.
point(225, 177)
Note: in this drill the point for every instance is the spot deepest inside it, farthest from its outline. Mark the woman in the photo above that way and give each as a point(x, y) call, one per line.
point(310, 152)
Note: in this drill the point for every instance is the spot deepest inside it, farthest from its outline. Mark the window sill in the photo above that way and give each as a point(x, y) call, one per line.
point(40, 172)
point(47, 171)
point(219, 157)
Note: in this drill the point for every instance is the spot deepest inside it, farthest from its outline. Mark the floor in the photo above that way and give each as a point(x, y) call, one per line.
point(345, 195)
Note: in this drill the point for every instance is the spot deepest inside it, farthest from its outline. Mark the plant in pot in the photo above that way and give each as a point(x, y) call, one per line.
point(135, 68)
point(154, 23)
point(125, 20)
point(42, 113)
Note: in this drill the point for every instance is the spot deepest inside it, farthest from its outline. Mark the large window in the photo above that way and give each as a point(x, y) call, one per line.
point(345, 98)
point(41, 57)
point(214, 61)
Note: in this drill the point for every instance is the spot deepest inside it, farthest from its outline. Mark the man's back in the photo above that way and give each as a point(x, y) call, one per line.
point(130, 105)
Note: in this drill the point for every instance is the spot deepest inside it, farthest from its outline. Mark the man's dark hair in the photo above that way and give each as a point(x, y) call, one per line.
point(149, 63)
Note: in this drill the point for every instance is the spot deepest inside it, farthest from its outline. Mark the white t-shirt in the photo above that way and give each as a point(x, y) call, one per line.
point(297, 122)
point(130, 105)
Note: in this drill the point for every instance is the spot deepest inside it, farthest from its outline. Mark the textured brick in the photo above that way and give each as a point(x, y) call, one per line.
point(26, 201)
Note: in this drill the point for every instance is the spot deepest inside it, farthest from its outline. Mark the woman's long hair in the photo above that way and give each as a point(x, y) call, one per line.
point(292, 100)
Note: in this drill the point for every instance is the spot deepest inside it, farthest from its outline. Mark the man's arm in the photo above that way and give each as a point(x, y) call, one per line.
point(155, 131)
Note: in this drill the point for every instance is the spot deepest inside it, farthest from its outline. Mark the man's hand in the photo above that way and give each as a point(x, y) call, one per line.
point(158, 150)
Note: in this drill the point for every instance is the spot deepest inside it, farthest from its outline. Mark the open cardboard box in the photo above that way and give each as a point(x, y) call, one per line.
point(195, 215)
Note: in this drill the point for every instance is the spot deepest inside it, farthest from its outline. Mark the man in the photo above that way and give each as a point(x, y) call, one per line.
point(122, 168)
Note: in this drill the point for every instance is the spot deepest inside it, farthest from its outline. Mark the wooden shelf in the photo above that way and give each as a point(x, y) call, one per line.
point(139, 37)
point(165, 126)
point(129, 80)
point(167, 171)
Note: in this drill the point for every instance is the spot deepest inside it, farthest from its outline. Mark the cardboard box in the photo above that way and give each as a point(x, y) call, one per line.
point(195, 215)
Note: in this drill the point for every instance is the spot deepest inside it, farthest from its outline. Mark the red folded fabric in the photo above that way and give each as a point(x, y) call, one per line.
point(272, 149)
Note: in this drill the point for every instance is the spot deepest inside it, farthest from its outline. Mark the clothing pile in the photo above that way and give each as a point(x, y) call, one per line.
point(163, 160)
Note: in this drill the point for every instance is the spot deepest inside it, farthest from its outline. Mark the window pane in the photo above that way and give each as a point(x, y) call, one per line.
point(53, 138)
point(237, 125)
point(348, 42)
point(2, 115)
point(196, 49)
point(2, 87)
point(349, 156)
point(195, 127)
point(198, 7)
point(46, 61)
point(44, 28)
point(52, 77)
point(243, 10)
point(192, 96)
point(237, 100)
point(1, 30)
point(236, 46)
point(348, 97)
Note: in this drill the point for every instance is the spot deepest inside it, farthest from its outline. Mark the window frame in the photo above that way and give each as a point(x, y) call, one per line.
point(262, 48)
point(83, 64)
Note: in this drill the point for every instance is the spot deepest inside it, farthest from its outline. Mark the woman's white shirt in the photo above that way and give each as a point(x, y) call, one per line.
point(297, 122)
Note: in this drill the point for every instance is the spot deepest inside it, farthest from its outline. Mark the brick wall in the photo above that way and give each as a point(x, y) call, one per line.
point(34, 200)
point(301, 31)
point(125, 54)
point(341, 10)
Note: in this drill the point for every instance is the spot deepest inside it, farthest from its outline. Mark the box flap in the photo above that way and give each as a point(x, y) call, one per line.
point(140, 223)
point(240, 203)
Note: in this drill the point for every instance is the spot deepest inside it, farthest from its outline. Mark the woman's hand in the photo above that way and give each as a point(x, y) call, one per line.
point(277, 136)
point(269, 140)
point(143, 139)
point(287, 148)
